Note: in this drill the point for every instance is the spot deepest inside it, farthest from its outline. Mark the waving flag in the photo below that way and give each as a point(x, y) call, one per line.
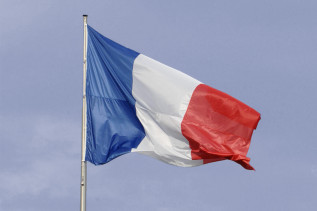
point(137, 104)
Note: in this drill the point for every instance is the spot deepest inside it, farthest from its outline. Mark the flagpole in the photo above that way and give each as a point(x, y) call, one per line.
point(83, 181)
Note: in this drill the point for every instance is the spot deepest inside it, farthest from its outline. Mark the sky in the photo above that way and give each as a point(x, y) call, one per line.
point(260, 52)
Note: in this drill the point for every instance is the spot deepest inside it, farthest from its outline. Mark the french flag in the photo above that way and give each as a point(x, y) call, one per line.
point(137, 104)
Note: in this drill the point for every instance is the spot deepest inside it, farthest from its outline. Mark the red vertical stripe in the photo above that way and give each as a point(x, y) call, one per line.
point(218, 126)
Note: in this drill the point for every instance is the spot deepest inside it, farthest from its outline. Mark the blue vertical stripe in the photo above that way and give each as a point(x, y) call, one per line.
point(113, 128)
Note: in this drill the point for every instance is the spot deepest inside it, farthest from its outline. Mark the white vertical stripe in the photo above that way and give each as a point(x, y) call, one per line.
point(84, 117)
point(162, 95)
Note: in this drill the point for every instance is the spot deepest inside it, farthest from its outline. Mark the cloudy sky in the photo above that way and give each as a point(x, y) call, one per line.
point(262, 52)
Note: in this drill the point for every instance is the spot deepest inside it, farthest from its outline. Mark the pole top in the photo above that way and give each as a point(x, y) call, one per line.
point(85, 15)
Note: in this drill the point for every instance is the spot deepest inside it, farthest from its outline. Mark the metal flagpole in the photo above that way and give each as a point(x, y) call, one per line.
point(83, 181)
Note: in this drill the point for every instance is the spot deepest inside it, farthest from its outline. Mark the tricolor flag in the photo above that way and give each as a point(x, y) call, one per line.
point(137, 104)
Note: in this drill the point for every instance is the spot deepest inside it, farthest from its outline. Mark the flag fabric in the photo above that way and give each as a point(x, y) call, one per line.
point(137, 104)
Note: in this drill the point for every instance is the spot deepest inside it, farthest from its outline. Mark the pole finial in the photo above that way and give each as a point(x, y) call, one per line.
point(85, 15)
